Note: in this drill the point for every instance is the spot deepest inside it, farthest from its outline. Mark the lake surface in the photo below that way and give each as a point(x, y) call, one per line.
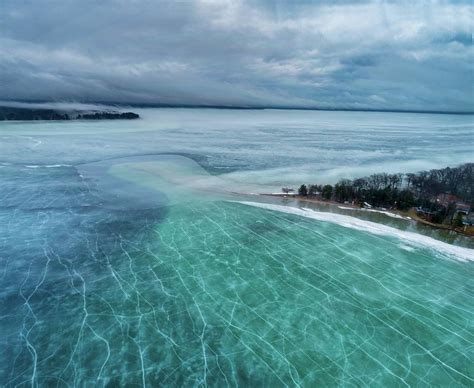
point(135, 253)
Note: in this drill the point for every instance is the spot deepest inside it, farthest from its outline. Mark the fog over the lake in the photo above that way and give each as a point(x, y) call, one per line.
point(377, 55)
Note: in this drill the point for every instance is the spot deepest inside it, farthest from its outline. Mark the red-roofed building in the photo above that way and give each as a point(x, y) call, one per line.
point(447, 199)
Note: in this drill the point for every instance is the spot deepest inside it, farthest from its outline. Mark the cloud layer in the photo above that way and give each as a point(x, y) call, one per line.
point(377, 55)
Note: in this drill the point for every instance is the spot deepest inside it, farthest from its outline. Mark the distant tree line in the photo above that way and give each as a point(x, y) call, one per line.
point(29, 114)
point(108, 116)
point(401, 191)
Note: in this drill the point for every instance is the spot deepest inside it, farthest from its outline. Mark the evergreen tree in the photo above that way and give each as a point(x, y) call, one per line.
point(458, 220)
point(327, 192)
point(303, 190)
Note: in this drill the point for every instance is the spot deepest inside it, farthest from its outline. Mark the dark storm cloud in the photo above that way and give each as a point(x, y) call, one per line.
point(395, 55)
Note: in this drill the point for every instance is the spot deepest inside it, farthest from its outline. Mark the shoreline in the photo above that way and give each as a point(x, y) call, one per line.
point(8, 113)
point(409, 215)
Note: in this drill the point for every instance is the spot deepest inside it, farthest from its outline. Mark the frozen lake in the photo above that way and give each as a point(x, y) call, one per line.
point(130, 254)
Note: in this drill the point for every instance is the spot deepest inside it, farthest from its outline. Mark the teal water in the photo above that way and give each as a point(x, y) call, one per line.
point(147, 270)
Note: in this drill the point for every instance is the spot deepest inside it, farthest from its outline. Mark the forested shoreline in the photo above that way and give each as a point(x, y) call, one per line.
point(440, 195)
point(34, 114)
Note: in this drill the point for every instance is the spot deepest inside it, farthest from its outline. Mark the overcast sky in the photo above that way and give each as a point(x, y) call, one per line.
point(411, 55)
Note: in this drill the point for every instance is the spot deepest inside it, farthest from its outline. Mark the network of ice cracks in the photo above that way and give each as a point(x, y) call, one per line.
point(217, 294)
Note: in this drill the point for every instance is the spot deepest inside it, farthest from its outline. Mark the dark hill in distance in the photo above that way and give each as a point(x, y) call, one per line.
point(29, 114)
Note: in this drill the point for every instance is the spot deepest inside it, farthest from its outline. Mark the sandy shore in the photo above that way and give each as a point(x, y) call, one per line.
point(409, 215)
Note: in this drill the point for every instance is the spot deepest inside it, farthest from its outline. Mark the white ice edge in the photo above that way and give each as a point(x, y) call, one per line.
point(387, 213)
point(411, 238)
point(47, 165)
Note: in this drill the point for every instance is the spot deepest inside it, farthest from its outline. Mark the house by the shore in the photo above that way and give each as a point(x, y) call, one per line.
point(447, 199)
point(425, 212)
point(468, 220)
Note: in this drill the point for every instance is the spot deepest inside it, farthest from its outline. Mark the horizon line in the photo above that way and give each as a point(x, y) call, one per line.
point(243, 107)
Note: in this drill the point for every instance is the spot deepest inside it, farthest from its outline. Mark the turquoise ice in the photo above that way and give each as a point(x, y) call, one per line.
point(120, 265)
